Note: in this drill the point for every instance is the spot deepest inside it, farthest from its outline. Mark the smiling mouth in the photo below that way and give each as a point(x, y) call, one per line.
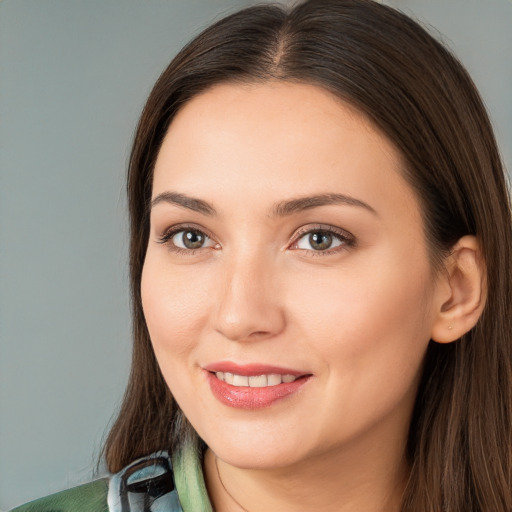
point(254, 391)
point(256, 381)
point(253, 385)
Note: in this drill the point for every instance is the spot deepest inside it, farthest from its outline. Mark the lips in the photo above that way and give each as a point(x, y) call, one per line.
point(253, 386)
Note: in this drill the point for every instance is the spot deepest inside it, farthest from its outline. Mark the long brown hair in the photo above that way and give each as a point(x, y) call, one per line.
point(420, 96)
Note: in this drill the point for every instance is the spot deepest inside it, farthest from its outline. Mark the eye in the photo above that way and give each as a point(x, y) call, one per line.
point(189, 239)
point(186, 239)
point(323, 240)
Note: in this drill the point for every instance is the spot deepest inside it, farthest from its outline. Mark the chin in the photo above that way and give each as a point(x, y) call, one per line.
point(256, 451)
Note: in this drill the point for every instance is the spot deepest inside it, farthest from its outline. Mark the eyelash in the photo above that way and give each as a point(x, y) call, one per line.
point(347, 239)
point(166, 238)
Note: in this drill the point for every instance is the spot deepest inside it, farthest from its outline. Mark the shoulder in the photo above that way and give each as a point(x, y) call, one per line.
point(91, 497)
point(146, 484)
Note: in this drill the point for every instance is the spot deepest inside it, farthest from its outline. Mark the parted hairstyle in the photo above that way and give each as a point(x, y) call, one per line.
point(419, 95)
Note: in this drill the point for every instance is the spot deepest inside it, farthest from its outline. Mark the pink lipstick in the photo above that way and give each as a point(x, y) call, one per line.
point(253, 386)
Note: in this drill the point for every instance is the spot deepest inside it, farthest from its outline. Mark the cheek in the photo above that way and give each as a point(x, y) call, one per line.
point(175, 301)
point(368, 335)
point(368, 327)
point(350, 302)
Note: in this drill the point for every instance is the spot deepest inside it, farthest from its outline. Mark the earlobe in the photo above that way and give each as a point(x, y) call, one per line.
point(461, 291)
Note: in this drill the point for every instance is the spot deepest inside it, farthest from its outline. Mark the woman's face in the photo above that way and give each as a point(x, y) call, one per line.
point(287, 251)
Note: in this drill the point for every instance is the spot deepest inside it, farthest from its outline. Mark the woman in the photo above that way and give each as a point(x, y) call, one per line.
point(320, 267)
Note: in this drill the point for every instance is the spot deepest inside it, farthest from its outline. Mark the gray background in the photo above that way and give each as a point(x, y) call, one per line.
point(73, 79)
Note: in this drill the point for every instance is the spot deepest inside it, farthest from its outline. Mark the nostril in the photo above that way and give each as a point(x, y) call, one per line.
point(259, 334)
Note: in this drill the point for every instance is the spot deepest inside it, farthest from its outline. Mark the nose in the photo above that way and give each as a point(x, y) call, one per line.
point(249, 306)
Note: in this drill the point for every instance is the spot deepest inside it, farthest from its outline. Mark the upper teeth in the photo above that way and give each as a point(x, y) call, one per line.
point(258, 381)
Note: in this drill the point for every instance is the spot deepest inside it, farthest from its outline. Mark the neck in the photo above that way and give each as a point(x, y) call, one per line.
point(365, 476)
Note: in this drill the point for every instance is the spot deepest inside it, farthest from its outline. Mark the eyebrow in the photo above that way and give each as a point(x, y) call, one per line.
point(191, 203)
point(281, 209)
point(285, 208)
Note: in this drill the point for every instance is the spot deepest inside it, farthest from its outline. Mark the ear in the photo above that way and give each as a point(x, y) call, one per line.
point(461, 291)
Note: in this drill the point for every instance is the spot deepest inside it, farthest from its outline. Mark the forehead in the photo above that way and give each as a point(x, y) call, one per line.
point(293, 111)
point(276, 140)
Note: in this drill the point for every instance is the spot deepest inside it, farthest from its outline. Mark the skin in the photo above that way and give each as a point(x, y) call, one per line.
point(358, 316)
